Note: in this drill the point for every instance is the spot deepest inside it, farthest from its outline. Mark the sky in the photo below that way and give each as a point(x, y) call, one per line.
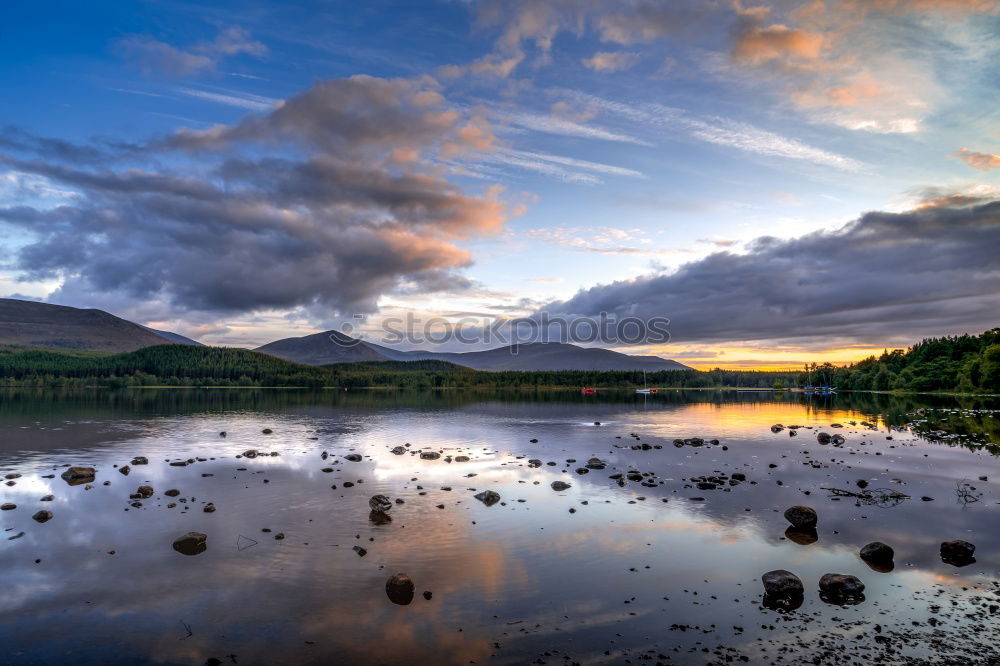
point(785, 181)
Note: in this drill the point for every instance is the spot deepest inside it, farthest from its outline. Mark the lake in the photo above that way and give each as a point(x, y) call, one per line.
point(644, 568)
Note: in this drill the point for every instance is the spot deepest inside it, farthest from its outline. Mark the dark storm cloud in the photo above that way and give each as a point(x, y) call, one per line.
point(930, 271)
point(326, 213)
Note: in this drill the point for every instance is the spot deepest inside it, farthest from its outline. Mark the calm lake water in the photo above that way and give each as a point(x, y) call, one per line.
point(652, 571)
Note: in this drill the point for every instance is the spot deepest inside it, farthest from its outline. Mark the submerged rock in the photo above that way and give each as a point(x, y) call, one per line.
point(399, 588)
point(191, 543)
point(488, 497)
point(802, 517)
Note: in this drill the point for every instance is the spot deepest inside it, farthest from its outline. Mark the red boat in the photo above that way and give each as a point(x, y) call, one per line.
point(588, 391)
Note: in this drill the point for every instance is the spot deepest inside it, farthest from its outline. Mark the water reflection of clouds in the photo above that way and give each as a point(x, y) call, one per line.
point(532, 561)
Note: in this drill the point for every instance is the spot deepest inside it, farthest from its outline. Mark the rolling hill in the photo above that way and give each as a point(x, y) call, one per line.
point(33, 324)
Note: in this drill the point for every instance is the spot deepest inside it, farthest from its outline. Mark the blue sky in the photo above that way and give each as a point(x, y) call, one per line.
point(528, 150)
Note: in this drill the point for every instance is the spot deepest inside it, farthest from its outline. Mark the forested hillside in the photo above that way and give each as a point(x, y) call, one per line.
point(966, 363)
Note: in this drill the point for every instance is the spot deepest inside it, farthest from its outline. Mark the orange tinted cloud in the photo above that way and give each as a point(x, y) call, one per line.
point(758, 44)
point(981, 161)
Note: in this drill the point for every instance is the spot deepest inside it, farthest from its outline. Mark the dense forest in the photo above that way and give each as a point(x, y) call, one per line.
point(964, 363)
point(181, 365)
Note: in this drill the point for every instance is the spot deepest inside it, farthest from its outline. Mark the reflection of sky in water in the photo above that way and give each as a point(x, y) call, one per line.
point(530, 576)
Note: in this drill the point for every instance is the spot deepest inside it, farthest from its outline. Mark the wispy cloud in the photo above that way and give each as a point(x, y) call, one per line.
point(720, 131)
point(602, 240)
point(566, 127)
point(567, 169)
point(231, 98)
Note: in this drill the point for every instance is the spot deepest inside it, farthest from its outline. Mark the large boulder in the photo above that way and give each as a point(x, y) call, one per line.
point(801, 517)
point(399, 589)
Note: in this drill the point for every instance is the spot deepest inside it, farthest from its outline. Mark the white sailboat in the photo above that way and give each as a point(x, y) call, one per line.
point(645, 390)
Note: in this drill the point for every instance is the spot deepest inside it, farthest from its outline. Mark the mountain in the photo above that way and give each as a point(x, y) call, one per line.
point(176, 338)
point(33, 324)
point(542, 356)
point(323, 349)
point(333, 347)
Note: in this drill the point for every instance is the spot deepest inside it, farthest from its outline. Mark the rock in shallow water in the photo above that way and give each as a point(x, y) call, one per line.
point(191, 543)
point(488, 497)
point(74, 476)
point(802, 517)
point(782, 583)
point(399, 588)
point(841, 588)
point(42, 516)
point(957, 553)
point(877, 552)
point(379, 503)
point(560, 486)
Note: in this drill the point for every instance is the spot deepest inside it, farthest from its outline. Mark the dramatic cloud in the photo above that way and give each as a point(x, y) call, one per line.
point(981, 161)
point(153, 56)
point(308, 205)
point(925, 272)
